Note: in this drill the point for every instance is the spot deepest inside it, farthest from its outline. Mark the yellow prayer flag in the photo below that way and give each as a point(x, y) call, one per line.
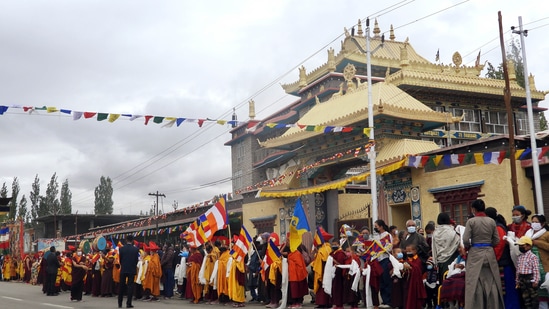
point(51, 109)
point(437, 160)
point(479, 158)
point(367, 131)
point(113, 117)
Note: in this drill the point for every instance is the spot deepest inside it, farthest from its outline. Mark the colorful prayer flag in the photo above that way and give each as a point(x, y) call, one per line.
point(318, 239)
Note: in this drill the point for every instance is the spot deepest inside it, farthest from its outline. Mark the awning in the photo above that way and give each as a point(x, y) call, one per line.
point(456, 187)
point(335, 184)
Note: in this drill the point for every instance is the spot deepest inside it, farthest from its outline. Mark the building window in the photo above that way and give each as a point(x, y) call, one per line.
point(470, 121)
point(456, 200)
point(457, 212)
point(521, 123)
point(495, 122)
point(237, 180)
point(239, 152)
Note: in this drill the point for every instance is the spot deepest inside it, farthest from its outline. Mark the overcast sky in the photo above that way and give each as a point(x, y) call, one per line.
point(193, 59)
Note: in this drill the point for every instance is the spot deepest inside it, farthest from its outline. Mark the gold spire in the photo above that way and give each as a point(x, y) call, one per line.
point(359, 32)
point(376, 29)
point(251, 109)
point(392, 34)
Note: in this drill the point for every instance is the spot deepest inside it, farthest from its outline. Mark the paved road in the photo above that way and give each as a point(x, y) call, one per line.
point(17, 295)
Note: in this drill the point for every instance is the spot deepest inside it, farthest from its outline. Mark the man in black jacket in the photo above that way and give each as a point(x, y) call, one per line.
point(51, 272)
point(129, 255)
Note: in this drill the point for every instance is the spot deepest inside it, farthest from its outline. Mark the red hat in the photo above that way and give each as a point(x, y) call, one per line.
point(135, 243)
point(72, 248)
point(153, 246)
point(145, 247)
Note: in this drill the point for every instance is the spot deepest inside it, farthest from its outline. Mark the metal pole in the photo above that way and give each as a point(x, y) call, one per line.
point(533, 145)
point(156, 210)
point(372, 154)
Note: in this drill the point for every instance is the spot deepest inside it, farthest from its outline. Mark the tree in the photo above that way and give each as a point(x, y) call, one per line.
point(23, 212)
point(14, 194)
point(103, 196)
point(50, 204)
point(3, 193)
point(514, 54)
point(66, 198)
point(35, 200)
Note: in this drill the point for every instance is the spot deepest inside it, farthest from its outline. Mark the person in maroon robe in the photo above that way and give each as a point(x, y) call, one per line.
point(88, 282)
point(416, 294)
point(338, 295)
point(107, 284)
point(194, 258)
point(78, 273)
point(351, 297)
point(27, 265)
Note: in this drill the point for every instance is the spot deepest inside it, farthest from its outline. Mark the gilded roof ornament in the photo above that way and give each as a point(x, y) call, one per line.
point(392, 34)
point(387, 72)
point(331, 60)
point(376, 29)
point(456, 58)
point(532, 82)
point(302, 77)
point(360, 32)
point(358, 82)
point(347, 34)
point(251, 109)
point(511, 70)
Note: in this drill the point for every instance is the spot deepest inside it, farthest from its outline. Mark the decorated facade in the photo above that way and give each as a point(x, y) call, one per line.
point(317, 148)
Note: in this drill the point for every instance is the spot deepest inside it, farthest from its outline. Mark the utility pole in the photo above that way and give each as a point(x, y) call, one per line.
point(156, 211)
point(510, 123)
point(533, 144)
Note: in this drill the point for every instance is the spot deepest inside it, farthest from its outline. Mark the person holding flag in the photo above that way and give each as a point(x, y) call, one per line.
point(321, 241)
point(273, 258)
point(297, 269)
point(221, 276)
point(237, 272)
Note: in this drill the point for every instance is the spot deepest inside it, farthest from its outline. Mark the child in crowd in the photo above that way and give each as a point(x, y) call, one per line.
point(527, 273)
point(398, 297)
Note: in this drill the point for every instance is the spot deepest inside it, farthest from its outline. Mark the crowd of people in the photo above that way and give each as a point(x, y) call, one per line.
point(485, 264)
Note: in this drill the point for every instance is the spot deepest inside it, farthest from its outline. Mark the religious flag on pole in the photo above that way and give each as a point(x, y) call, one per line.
point(242, 244)
point(216, 217)
point(4, 239)
point(318, 239)
point(298, 226)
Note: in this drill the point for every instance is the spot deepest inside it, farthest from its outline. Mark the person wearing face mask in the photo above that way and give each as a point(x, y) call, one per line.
point(507, 269)
point(78, 272)
point(338, 295)
point(416, 239)
point(398, 299)
point(482, 281)
point(415, 290)
point(528, 274)
point(540, 241)
point(520, 225)
point(384, 281)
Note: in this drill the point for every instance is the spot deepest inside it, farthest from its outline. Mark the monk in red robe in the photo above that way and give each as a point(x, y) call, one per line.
point(78, 273)
point(338, 295)
point(416, 294)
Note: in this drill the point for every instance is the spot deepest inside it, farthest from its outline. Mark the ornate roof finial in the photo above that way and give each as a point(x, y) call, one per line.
point(251, 109)
point(532, 82)
point(234, 118)
point(302, 77)
point(392, 34)
point(511, 70)
point(376, 29)
point(387, 72)
point(331, 60)
point(359, 32)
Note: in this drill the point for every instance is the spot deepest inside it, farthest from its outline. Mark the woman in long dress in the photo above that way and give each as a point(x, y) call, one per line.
point(482, 281)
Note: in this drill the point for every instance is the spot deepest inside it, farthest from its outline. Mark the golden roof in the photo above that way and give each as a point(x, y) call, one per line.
point(397, 149)
point(352, 108)
point(447, 78)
